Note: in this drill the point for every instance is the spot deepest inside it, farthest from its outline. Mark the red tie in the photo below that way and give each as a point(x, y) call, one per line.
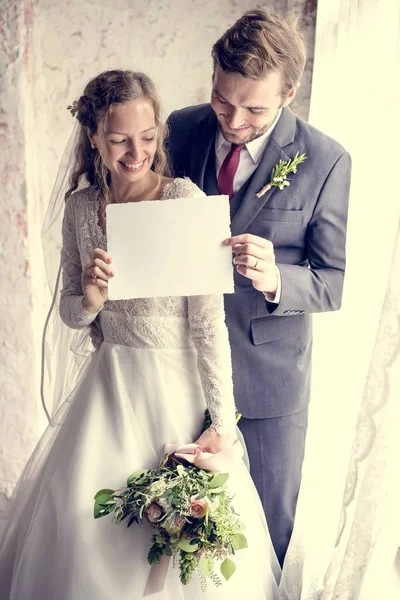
point(228, 170)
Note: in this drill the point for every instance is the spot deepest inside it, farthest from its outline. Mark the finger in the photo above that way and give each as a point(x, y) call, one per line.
point(99, 283)
point(247, 238)
point(102, 284)
point(248, 272)
point(96, 273)
point(102, 254)
point(98, 262)
point(252, 249)
point(250, 261)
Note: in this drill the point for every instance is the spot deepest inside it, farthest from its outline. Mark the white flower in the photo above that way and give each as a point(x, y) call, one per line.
point(163, 503)
point(158, 488)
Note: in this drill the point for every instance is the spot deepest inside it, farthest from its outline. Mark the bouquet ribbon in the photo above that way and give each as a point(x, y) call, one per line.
point(220, 462)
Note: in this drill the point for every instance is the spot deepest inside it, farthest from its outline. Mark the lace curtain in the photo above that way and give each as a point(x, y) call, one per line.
point(347, 529)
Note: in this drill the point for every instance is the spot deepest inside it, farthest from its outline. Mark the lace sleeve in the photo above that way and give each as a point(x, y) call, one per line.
point(71, 310)
point(210, 336)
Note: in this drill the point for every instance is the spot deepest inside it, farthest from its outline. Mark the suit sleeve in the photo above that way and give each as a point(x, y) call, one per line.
point(319, 286)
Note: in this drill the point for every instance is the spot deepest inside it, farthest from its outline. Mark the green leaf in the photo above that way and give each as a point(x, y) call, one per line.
point(104, 493)
point(141, 511)
point(167, 551)
point(164, 461)
point(201, 495)
point(100, 511)
point(186, 546)
point(228, 568)
point(218, 480)
point(239, 541)
point(133, 519)
point(206, 566)
point(136, 475)
point(103, 500)
point(218, 490)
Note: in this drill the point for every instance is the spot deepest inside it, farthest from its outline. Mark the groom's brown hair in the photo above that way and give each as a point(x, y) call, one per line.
point(262, 41)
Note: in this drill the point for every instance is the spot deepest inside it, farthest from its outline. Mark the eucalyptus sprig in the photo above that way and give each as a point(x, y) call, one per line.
point(280, 172)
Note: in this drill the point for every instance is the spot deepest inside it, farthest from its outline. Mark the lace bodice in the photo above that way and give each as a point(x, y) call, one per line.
point(165, 322)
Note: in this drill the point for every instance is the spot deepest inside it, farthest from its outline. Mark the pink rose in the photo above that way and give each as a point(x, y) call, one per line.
point(153, 512)
point(198, 508)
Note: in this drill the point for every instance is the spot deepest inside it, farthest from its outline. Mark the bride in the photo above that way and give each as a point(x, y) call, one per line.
point(161, 362)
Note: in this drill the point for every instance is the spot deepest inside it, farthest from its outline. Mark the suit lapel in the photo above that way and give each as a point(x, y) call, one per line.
point(202, 144)
point(250, 206)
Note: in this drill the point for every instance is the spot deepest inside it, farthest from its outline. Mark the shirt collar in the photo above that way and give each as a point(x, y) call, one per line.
point(256, 147)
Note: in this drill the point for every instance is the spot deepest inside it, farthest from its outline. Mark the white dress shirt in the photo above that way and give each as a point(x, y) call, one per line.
point(250, 158)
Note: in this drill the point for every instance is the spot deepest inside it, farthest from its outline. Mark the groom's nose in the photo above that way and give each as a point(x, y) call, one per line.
point(235, 118)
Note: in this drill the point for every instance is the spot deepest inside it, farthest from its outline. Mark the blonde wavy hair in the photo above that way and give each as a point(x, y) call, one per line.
point(91, 109)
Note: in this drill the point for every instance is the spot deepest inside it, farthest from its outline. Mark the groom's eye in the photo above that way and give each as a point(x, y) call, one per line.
point(219, 99)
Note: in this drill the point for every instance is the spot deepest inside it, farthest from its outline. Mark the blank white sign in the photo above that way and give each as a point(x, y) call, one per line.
point(170, 248)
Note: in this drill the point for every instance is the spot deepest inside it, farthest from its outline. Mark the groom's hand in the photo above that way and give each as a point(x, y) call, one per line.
point(255, 259)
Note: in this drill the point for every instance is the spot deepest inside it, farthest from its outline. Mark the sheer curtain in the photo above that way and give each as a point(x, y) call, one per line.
point(347, 530)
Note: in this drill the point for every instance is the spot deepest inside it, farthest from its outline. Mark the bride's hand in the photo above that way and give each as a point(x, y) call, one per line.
point(211, 441)
point(95, 277)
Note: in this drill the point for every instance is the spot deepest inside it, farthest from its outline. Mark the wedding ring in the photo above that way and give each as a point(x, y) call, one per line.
point(255, 266)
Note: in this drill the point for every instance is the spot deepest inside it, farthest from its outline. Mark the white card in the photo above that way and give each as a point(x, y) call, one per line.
point(170, 248)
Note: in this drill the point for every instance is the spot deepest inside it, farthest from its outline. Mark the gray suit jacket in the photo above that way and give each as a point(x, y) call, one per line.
point(271, 345)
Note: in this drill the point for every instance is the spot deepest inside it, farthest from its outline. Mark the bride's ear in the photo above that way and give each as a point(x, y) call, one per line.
point(90, 137)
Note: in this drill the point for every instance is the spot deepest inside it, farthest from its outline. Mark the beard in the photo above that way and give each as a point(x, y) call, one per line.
point(253, 134)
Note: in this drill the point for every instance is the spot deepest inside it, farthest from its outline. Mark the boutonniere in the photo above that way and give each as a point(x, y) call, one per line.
point(280, 172)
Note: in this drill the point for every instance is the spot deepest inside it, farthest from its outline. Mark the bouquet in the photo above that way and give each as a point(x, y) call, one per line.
point(190, 510)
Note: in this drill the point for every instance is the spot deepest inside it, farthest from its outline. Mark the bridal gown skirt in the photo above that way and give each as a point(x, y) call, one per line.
point(129, 403)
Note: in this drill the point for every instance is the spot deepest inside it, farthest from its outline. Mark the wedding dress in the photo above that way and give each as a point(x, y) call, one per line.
point(162, 362)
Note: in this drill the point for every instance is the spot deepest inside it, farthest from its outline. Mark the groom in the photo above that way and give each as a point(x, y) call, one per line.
point(288, 244)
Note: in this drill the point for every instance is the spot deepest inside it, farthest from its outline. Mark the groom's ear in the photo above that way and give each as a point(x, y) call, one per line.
point(291, 94)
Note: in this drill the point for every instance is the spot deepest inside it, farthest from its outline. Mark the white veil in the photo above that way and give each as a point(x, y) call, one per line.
point(65, 357)
point(65, 352)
